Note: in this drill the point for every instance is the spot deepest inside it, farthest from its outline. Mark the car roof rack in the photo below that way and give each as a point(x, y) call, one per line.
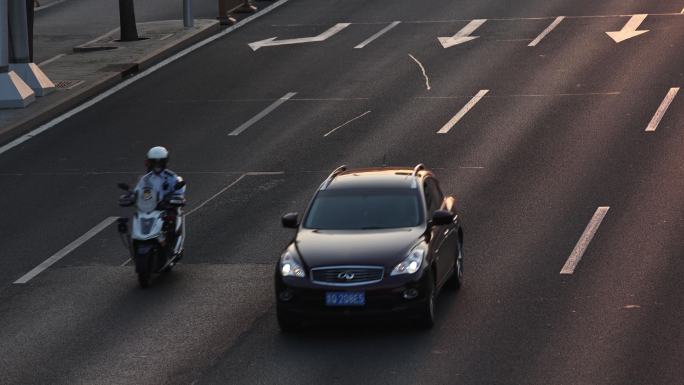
point(332, 176)
point(419, 167)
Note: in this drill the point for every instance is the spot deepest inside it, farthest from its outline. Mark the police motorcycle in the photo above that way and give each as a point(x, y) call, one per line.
point(158, 230)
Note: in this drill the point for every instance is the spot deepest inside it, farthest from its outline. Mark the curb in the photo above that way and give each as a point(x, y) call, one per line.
point(15, 130)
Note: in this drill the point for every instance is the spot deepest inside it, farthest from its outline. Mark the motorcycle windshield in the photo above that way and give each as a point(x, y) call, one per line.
point(147, 199)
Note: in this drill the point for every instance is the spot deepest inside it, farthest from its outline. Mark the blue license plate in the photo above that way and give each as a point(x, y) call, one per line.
point(345, 298)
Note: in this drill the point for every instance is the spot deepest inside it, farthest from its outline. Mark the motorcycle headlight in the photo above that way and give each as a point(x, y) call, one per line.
point(411, 264)
point(291, 266)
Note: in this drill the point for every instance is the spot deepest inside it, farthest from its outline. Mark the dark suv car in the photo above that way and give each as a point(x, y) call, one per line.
point(380, 241)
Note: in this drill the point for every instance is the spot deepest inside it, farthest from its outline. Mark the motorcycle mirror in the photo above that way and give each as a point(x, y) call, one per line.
point(179, 185)
point(124, 186)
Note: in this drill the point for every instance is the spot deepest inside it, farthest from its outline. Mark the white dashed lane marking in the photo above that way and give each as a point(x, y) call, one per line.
point(66, 250)
point(548, 30)
point(262, 114)
point(655, 122)
point(377, 35)
point(469, 106)
point(585, 239)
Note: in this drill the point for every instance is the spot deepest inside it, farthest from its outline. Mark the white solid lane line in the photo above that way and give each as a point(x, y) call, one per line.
point(653, 125)
point(548, 30)
point(135, 78)
point(585, 239)
point(469, 106)
point(262, 114)
point(347, 122)
point(427, 80)
point(377, 35)
point(66, 250)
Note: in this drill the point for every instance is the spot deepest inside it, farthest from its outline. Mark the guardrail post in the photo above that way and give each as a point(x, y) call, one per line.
point(14, 93)
point(188, 20)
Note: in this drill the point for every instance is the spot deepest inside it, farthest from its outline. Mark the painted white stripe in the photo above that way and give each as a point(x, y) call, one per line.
point(548, 30)
point(50, 60)
point(262, 114)
point(377, 35)
point(347, 122)
point(450, 124)
point(66, 250)
point(427, 80)
point(134, 79)
point(236, 181)
point(585, 239)
point(655, 121)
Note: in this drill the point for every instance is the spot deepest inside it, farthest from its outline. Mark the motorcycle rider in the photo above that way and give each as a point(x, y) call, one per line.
point(161, 183)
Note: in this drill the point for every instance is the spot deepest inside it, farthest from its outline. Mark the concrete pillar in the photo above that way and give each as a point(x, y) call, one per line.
point(14, 93)
point(21, 65)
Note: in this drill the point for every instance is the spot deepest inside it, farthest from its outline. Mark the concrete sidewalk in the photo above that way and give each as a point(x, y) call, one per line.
point(98, 65)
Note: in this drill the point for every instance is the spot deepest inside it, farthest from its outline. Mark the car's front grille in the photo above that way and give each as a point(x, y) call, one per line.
point(347, 275)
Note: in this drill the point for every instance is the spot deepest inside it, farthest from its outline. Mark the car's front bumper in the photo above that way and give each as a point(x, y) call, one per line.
point(304, 300)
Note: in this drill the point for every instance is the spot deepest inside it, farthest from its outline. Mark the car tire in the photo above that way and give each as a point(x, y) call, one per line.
point(456, 280)
point(426, 315)
point(287, 323)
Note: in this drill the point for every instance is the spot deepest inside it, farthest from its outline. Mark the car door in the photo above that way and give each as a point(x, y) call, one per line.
point(434, 200)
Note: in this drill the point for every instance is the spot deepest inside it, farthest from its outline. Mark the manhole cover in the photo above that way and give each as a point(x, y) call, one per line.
point(67, 84)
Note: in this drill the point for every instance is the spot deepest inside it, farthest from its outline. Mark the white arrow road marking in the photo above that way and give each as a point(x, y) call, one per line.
point(322, 37)
point(262, 114)
point(66, 250)
point(377, 35)
point(630, 29)
point(585, 239)
point(463, 36)
point(662, 109)
point(548, 30)
point(469, 106)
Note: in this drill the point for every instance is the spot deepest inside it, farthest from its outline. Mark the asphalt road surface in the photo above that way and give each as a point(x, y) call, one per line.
point(554, 151)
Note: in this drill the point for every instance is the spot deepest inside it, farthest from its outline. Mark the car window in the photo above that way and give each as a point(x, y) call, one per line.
point(359, 209)
point(435, 195)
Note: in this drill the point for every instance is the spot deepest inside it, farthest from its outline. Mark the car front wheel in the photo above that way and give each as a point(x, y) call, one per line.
point(287, 323)
point(426, 314)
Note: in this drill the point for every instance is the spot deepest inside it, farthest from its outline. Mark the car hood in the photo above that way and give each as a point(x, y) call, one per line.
point(356, 247)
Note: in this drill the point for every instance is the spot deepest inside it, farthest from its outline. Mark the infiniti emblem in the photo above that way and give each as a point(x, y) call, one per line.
point(345, 275)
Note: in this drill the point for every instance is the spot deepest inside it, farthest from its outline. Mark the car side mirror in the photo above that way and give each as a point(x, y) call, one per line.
point(179, 185)
point(124, 186)
point(290, 220)
point(442, 217)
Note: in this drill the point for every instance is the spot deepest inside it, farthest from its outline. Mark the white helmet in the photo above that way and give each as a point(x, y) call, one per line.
point(157, 158)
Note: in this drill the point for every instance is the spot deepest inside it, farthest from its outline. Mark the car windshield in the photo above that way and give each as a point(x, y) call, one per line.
point(362, 209)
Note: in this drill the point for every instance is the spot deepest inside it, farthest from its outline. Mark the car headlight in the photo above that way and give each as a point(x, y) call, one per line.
point(291, 266)
point(411, 264)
